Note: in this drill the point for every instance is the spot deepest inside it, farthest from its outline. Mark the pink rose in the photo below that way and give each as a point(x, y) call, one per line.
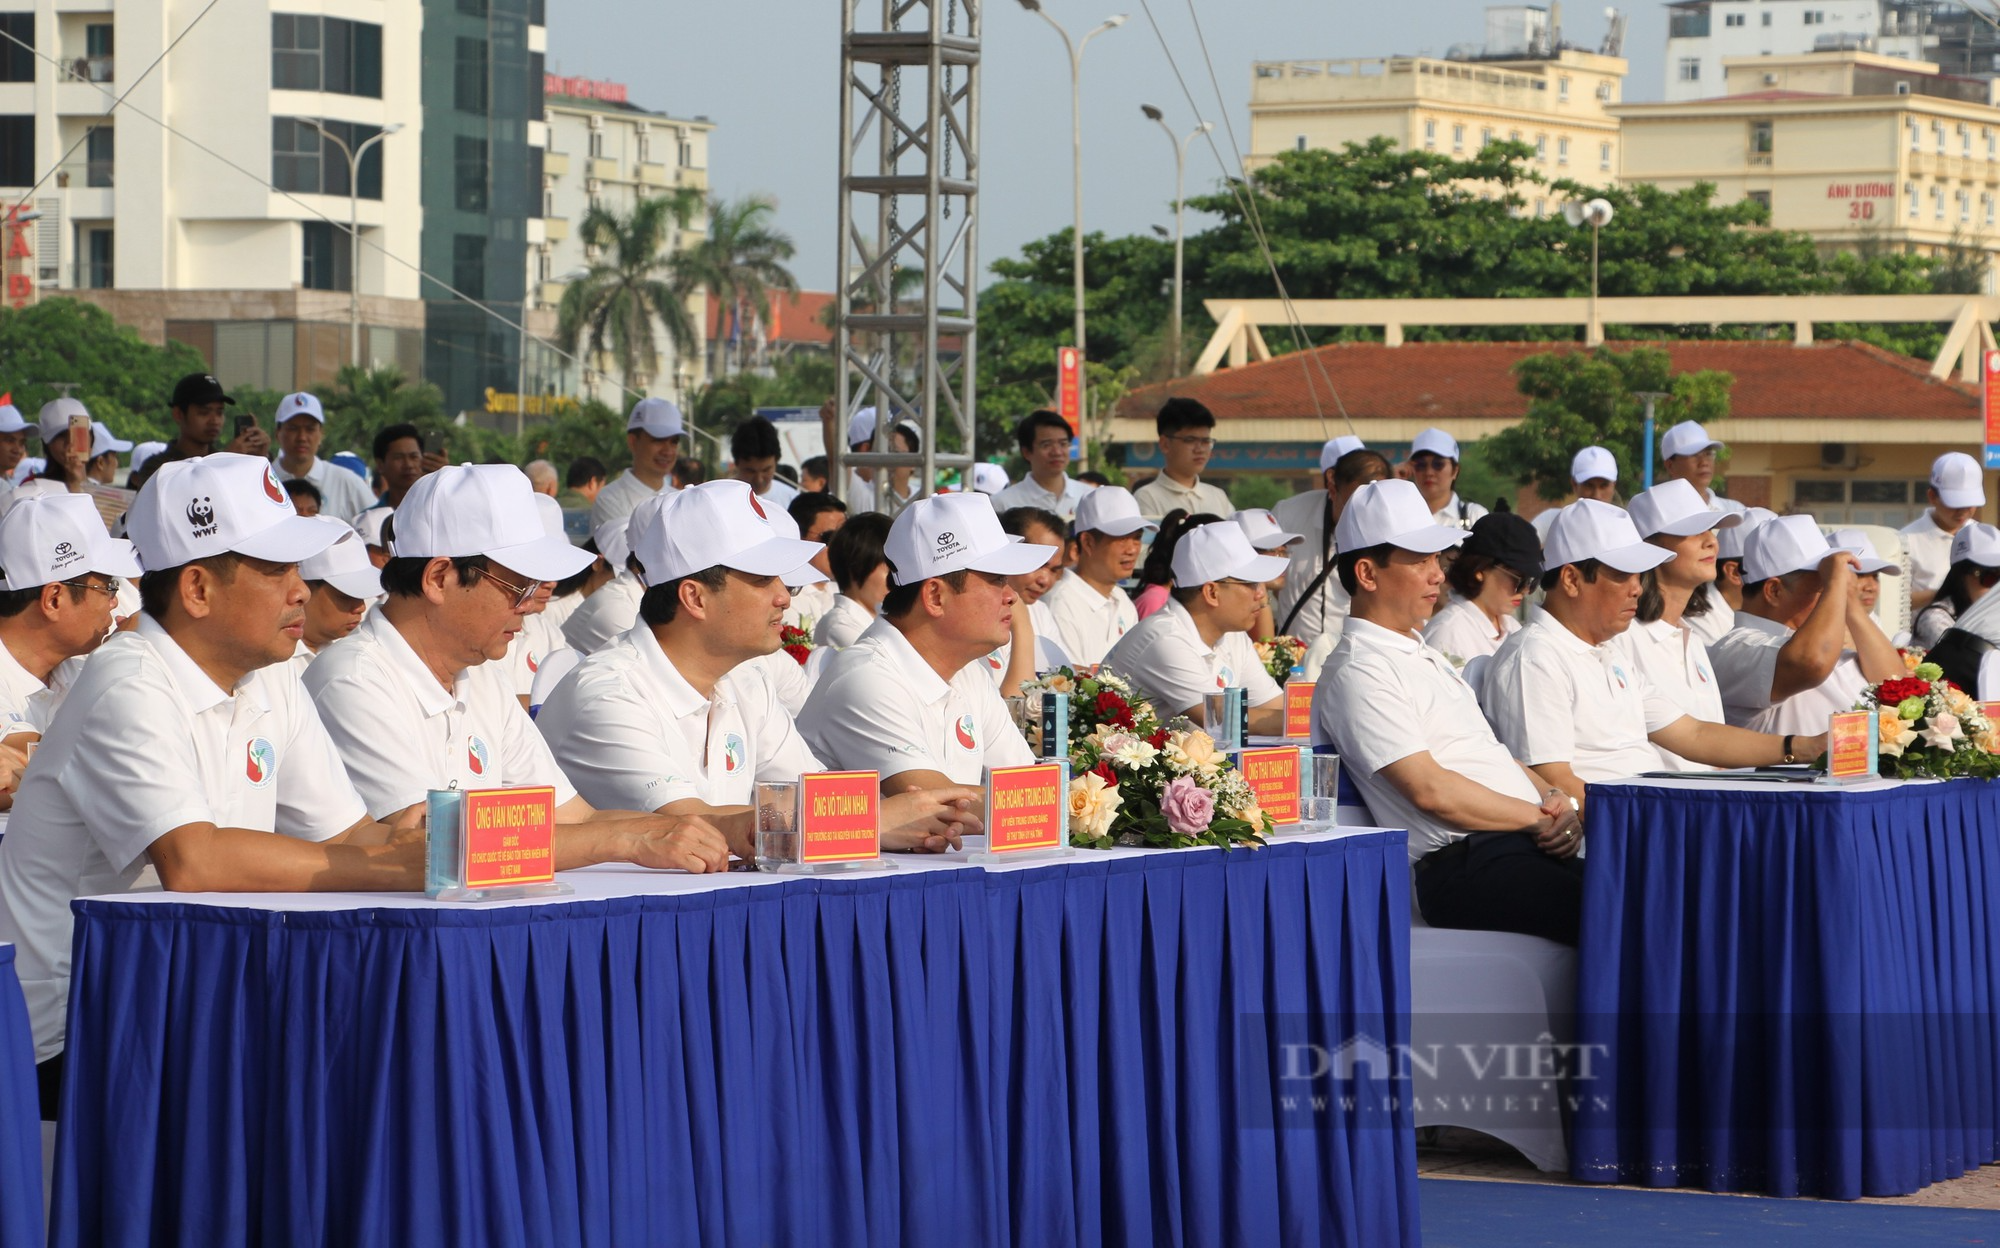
point(1189, 808)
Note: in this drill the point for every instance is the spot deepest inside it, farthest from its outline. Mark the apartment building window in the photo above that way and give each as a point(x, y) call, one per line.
point(645, 145)
point(1458, 138)
point(1430, 134)
point(1690, 69)
point(1541, 147)
point(1937, 202)
point(1562, 88)
point(17, 150)
point(1965, 206)
point(1815, 17)
point(1603, 155)
point(1916, 135)
point(1987, 136)
point(17, 63)
point(1734, 19)
point(99, 153)
point(1937, 132)
point(548, 197)
point(1760, 142)
point(686, 152)
point(1562, 150)
point(1541, 209)
point(1298, 144)
point(1910, 199)
point(469, 76)
point(313, 53)
point(1965, 140)
point(99, 257)
point(1760, 197)
point(305, 164)
point(468, 264)
point(1986, 207)
point(469, 174)
point(1485, 137)
point(327, 257)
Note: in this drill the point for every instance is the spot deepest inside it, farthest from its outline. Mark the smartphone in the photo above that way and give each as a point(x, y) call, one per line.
point(79, 436)
point(245, 422)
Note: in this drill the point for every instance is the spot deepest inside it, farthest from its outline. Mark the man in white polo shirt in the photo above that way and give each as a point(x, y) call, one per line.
point(1045, 439)
point(860, 493)
point(1687, 454)
point(911, 698)
point(1434, 468)
point(413, 701)
point(186, 742)
point(1594, 472)
point(1493, 848)
point(59, 577)
point(663, 720)
point(1785, 666)
point(1568, 701)
point(1957, 492)
point(1197, 644)
point(343, 581)
point(1187, 443)
point(301, 428)
point(1091, 611)
point(653, 434)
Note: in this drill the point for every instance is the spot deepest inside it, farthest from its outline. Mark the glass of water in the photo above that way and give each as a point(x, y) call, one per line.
point(777, 823)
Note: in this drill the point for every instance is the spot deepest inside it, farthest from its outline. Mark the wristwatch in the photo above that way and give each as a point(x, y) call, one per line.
point(1568, 797)
point(1788, 749)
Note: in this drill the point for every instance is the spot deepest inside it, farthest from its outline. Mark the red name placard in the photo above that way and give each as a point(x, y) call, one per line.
point(510, 837)
point(1991, 395)
point(1851, 743)
point(1273, 775)
point(1024, 808)
point(1299, 710)
point(839, 816)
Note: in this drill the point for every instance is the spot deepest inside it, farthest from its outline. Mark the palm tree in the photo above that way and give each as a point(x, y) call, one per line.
point(741, 261)
point(635, 282)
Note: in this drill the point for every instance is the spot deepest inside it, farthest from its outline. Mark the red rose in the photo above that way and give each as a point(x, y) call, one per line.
point(1892, 692)
point(1103, 772)
point(798, 652)
point(1158, 740)
point(1113, 709)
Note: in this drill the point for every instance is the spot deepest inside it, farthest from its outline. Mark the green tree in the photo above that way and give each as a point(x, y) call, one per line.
point(124, 380)
point(739, 262)
point(636, 283)
point(1582, 398)
point(362, 402)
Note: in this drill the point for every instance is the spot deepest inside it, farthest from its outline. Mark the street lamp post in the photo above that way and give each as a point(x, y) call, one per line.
point(1180, 209)
point(1075, 49)
point(1596, 214)
point(354, 155)
point(1650, 397)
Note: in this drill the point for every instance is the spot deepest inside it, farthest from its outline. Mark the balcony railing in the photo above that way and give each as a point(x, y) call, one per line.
point(91, 69)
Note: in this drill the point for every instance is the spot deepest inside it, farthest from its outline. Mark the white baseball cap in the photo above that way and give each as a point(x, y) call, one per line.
point(1110, 509)
point(1588, 529)
point(614, 540)
point(102, 443)
point(54, 417)
point(1729, 542)
point(300, 404)
point(1593, 463)
point(343, 565)
point(861, 427)
point(1437, 442)
point(784, 526)
point(11, 420)
point(1263, 530)
point(1978, 543)
point(56, 537)
point(483, 509)
point(140, 453)
point(1218, 551)
point(369, 525)
point(1856, 542)
point(954, 532)
point(1782, 545)
point(1958, 480)
point(714, 524)
point(657, 418)
point(1331, 453)
point(216, 505)
point(29, 489)
point(1677, 509)
point(989, 478)
point(1393, 513)
point(1686, 438)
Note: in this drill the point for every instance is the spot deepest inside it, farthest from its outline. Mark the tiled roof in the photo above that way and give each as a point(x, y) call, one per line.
point(794, 318)
point(1471, 380)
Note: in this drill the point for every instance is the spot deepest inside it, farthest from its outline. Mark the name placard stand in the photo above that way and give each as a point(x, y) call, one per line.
point(491, 845)
point(1281, 778)
point(1853, 745)
point(823, 823)
point(1026, 813)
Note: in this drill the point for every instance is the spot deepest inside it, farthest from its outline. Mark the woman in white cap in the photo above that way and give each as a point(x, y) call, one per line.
point(1434, 467)
point(1974, 569)
point(1268, 537)
point(1662, 640)
point(1957, 491)
point(1489, 577)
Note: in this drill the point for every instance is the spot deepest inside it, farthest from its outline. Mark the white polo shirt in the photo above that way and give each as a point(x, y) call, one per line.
point(779, 491)
point(1677, 665)
point(1327, 613)
point(1461, 632)
point(1028, 492)
point(842, 625)
point(1383, 697)
point(403, 734)
point(621, 496)
point(1552, 697)
point(1457, 513)
point(342, 493)
point(1163, 494)
point(149, 744)
point(634, 735)
point(860, 494)
point(1746, 661)
point(538, 639)
point(1165, 659)
point(25, 702)
point(809, 603)
point(605, 615)
point(1930, 553)
point(1087, 623)
point(1049, 654)
point(879, 706)
point(1710, 626)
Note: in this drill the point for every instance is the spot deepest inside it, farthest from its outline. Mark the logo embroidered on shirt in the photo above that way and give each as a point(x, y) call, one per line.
point(963, 731)
point(1618, 674)
point(260, 762)
point(477, 756)
point(732, 753)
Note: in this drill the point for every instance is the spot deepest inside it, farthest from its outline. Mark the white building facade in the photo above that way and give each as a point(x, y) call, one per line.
point(1701, 34)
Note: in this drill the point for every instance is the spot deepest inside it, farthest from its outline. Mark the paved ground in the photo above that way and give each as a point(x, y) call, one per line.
point(1455, 1153)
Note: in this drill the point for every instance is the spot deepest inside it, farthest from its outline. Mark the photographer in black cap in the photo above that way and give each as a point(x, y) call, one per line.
point(197, 411)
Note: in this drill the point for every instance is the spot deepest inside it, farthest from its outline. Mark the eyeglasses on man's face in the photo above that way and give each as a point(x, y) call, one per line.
point(522, 593)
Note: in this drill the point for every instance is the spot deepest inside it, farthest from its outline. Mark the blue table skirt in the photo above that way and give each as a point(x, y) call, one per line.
point(1794, 992)
point(20, 1117)
point(1046, 1056)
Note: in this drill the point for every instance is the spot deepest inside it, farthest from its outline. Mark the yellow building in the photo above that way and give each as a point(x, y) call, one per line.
point(1853, 148)
point(1558, 104)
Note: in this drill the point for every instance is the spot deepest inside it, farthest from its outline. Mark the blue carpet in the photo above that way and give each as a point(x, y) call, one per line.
point(1459, 1213)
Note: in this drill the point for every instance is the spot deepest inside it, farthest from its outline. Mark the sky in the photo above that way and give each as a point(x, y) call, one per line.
point(767, 73)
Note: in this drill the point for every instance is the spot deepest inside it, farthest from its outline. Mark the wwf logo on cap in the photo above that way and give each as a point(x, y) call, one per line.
point(201, 517)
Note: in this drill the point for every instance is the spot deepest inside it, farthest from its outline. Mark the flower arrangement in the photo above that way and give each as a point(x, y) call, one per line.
point(1912, 659)
point(1136, 781)
point(796, 642)
point(1280, 655)
point(1930, 728)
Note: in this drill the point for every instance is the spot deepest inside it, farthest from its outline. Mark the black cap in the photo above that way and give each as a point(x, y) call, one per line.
point(198, 388)
point(1509, 541)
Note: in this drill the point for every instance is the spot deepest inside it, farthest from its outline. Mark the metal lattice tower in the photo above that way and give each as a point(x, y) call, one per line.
point(909, 172)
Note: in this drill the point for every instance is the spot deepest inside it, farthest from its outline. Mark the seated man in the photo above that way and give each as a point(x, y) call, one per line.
point(911, 698)
point(59, 577)
point(1494, 849)
point(186, 742)
point(413, 702)
point(1785, 666)
point(663, 720)
point(1090, 610)
point(604, 616)
point(1569, 702)
point(1197, 644)
point(343, 581)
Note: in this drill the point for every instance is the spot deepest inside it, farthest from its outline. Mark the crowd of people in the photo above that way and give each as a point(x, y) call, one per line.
point(252, 678)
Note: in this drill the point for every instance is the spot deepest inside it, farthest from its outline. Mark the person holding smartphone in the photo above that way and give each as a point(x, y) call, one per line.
point(198, 408)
